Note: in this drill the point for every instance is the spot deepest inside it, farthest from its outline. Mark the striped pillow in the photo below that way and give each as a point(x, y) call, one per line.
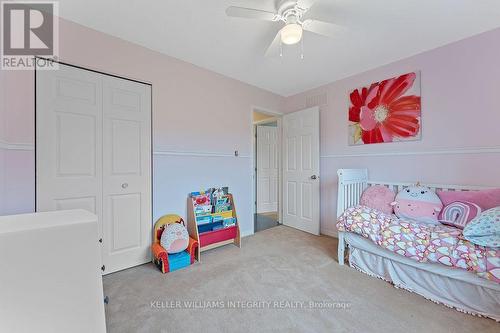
point(459, 213)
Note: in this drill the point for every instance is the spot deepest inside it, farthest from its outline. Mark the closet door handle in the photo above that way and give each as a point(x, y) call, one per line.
point(124, 185)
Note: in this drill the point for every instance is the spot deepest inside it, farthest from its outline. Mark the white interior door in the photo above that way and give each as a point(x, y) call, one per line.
point(69, 141)
point(127, 173)
point(301, 170)
point(267, 169)
point(93, 151)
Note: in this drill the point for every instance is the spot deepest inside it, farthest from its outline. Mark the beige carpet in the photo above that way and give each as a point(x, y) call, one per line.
point(287, 268)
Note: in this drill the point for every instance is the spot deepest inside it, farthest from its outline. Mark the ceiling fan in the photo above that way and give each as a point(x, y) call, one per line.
point(294, 14)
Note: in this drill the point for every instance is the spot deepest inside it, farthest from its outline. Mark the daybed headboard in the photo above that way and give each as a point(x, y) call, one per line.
point(352, 183)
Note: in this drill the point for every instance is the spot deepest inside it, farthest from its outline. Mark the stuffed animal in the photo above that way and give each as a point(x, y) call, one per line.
point(175, 237)
point(418, 203)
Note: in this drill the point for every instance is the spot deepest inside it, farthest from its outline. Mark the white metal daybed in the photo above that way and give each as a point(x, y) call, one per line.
point(456, 288)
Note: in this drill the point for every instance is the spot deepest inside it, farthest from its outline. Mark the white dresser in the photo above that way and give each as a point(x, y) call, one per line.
point(50, 276)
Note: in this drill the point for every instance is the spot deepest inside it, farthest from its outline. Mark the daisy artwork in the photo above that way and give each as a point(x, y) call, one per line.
point(386, 111)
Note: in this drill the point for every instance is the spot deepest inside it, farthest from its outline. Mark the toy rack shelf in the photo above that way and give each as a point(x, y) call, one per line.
point(211, 239)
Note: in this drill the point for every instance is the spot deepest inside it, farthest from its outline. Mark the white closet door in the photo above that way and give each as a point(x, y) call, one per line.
point(93, 151)
point(127, 173)
point(301, 170)
point(267, 169)
point(69, 140)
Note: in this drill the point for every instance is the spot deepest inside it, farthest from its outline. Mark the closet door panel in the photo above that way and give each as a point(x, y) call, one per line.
point(126, 150)
point(69, 140)
point(125, 211)
point(87, 203)
point(127, 173)
point(76, 145)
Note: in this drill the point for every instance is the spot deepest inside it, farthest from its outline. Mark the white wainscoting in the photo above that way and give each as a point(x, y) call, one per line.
point(175, 175)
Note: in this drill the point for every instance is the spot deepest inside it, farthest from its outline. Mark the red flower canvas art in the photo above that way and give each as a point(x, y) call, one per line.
point(386, 111)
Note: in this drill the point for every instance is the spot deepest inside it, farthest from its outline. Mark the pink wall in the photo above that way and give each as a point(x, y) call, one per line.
point(194, 110)
point(460, 122)
point(16, 146)
point(460, 119)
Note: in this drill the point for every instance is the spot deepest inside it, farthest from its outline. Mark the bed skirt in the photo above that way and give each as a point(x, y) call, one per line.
point(458, 289)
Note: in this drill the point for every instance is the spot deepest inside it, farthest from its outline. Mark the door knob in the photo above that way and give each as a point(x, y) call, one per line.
point(314, 177)
point(124, 185)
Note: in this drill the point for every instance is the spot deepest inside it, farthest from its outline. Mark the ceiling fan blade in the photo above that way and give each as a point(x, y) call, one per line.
point(274, 47)
point(321, 28)
point(319, 13)
point(251, 13)
point(305, 4)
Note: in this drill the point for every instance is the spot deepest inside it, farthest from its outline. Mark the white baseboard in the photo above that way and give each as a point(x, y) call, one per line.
point(332, 232)
point(245, 233)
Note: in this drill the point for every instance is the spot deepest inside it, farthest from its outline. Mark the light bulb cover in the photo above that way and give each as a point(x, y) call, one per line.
point(291, 34)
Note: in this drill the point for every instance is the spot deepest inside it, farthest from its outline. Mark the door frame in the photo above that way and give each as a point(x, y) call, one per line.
point(276, 116)
point(119, 76)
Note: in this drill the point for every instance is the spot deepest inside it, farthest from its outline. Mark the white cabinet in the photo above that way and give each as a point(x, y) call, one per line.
point(50, 277)
point(93, 151)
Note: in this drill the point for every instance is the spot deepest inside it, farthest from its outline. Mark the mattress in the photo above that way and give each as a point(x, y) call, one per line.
point(439, 244)
point(459, 289)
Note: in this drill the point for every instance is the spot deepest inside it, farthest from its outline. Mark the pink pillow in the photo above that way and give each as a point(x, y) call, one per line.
point(378, 197)
point(459, 213)
point(485, 199)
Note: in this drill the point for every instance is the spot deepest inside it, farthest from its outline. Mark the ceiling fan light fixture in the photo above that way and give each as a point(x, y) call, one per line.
point(291, 34)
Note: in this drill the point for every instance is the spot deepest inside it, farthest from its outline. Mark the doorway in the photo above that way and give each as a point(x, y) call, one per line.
point(296, 152)
point(267, 165)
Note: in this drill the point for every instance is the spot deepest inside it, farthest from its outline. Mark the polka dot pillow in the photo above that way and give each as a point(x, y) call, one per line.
point(485, 229)
point(378, 197)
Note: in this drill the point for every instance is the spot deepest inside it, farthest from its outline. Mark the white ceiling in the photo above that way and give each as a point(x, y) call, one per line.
point(375, 32)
